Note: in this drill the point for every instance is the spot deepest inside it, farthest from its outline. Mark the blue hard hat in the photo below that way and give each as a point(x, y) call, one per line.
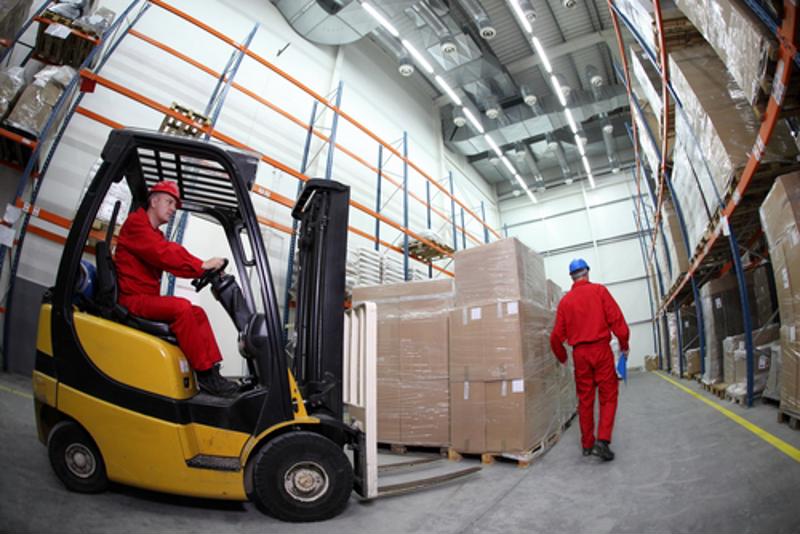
point(577, 265)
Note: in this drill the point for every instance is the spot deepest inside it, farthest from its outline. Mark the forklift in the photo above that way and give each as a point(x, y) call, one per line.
point(115, 398)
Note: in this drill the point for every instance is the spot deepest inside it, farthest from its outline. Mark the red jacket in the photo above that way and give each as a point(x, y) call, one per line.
point(587, 314)
point(143, 254)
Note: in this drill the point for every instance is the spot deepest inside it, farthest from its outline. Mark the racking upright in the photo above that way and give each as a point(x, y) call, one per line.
point(701, 259)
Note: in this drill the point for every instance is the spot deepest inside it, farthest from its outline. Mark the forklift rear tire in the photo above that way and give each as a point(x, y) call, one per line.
point(76, 459)
point(302, 476)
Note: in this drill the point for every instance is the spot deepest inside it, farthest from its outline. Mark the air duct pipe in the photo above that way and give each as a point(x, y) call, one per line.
point(611, 147)
point(555, 146)
point(390, 44)
point(446, 41)
point(481, 19)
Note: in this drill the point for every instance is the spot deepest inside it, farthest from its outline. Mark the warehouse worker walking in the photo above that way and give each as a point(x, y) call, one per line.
point(586, 317)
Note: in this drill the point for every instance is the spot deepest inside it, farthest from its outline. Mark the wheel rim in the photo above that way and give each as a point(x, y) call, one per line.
point(306, 481)
point(79, 460)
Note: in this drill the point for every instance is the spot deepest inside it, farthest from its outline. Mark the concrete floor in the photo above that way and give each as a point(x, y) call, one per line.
point(681, 467)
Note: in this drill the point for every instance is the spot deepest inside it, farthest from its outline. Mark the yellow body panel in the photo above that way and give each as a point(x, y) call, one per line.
point(135, 358)
point(202, 439)
point(44, 388)
point(44, 337)
point(148, 453)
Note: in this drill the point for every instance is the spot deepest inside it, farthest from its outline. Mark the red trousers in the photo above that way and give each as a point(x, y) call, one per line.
point(595, 371)
point(189, 323)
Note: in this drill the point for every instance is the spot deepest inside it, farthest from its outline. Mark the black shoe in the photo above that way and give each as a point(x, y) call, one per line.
point(601, 449)
point(587, 452)
point(214, 383)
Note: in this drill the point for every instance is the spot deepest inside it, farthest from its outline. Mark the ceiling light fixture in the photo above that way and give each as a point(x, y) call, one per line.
point(579, 144)
point(521, 16)
point(475, 122)
point(417, 56)
point(377, 16)
point(571, 121)
point(542, 55)
point(494, 146)
point(443, 84)
point(510, 168)
point(531, 196)
point(559, 90)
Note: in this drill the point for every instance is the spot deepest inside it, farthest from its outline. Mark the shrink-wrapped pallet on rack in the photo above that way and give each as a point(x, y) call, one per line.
point(715, 133)
point(413, 394)
point(739, 38)
point(12, 80)
point(722, 316)
point(13, 14)
point(505, 382)
point(780, 219)
point(678, 31)
point(35, 105)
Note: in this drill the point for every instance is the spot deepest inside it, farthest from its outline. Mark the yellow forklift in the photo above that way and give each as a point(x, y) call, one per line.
point(115, 398)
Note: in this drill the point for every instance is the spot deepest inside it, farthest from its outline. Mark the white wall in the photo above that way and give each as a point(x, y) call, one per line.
point(597, 225)
point(374, 93)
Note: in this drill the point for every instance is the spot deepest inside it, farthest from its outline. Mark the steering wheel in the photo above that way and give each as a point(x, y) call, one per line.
point(208, 276)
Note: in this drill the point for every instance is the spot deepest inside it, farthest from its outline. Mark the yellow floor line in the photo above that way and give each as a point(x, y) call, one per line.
point(16, 392)
point(776, 442)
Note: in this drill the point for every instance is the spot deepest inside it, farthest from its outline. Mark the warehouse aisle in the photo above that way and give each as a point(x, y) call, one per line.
point(681, 467)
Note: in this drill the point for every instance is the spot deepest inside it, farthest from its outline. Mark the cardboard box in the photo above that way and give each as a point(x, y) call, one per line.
point(511, 416)
point(502, 340)
point(744, 45)
point(651, 363)
point(780, 216)
point(468, 416)
point(734, 353)
point(413, 352)
point(505, 270)
point(714, 136)
point(554, 295)
point(692, 362)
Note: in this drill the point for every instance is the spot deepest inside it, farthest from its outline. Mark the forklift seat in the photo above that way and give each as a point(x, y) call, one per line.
point(106, 296)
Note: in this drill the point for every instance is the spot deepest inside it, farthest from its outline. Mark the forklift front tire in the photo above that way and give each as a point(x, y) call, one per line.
point(76, 459)
point(302, 476)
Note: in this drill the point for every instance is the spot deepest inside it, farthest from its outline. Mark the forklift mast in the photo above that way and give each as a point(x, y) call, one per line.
point(322, 210)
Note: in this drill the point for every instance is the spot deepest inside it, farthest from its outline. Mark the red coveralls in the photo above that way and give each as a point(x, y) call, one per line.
point(141, 256)
point(585, 318)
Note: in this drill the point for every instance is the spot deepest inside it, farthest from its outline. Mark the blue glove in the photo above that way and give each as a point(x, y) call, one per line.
point(622, 366)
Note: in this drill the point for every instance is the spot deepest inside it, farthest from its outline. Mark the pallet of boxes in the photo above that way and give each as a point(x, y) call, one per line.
point(465, 366)
point(780, 219)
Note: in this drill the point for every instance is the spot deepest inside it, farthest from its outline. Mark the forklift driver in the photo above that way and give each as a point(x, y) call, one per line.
point(142, 254)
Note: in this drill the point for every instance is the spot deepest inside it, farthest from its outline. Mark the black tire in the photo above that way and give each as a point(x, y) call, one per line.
point(284, 465)
point(76, 459)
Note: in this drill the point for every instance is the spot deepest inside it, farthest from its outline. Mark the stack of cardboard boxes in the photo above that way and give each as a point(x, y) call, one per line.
point(722, 318)
point(504, 380)
point(780, 217)
point(468, 363)
point(413, 394)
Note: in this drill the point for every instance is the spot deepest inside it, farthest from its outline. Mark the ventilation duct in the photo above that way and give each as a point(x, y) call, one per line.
point(528, 10)
point(405, 64)
point(528, 97)
point(555, 146)
point(524, 122)
point(447, 44)
point(480, 18)
point(611, 148)
point(594, 77)
point(458, 117)
point(327, 22)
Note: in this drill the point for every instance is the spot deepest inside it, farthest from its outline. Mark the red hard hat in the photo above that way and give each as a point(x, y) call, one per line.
point(170, 188)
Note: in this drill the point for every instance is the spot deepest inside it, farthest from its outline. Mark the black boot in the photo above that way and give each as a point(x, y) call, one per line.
point(214, 383)
point(587, 452)
point(601, 449)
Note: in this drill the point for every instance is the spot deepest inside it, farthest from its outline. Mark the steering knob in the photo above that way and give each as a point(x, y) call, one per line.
point(208, 276)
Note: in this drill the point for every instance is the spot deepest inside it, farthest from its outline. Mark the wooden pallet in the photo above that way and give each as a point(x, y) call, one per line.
point(405, 448)
point(523, 459)
point(426, 253)
point(718, 390)
point(789, 417)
